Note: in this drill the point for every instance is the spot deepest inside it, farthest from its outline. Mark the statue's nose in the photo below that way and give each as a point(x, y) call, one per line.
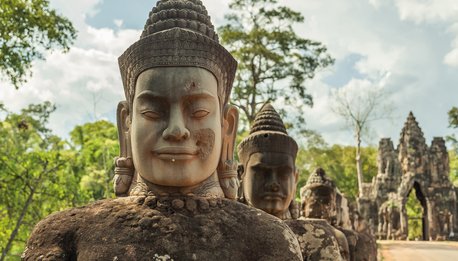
point(272, 184)
point(176, 129)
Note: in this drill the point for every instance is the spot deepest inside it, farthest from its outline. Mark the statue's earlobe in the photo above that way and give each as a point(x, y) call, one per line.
point(124, 166)
point(227, 167)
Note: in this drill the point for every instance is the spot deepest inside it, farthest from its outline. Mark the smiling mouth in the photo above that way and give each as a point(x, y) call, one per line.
point(175, 153)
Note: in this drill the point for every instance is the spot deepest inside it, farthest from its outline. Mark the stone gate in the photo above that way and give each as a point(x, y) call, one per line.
point(411, 166)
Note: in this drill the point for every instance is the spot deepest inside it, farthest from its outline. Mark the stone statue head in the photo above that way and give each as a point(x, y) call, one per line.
point(176, 127)
point(318, 197)
point(268, 172)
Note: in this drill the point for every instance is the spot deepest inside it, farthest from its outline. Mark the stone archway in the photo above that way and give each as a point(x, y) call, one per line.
point(421, 198)
point(413, 165)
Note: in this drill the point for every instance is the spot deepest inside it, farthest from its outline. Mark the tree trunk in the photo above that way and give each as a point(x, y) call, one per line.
point(18, 225)
point(359, 167)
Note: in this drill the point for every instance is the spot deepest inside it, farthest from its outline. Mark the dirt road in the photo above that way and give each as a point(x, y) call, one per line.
point(418, 250)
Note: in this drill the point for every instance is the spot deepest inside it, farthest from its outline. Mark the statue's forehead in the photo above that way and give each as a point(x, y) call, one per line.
point(271, 158)
point(176, 81)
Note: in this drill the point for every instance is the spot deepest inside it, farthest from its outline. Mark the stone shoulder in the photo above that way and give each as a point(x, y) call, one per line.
point(220, 228)
point(316, 239)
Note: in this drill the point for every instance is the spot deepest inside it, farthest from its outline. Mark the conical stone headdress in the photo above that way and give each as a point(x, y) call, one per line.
point(319, 179)
point(178, 33)
point(268, 134)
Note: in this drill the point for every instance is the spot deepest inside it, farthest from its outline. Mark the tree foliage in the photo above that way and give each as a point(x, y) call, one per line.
point(415, 214)
point(35, 175)
point(453, 153)
point(41, 173)
point(453, 117)
point(27, 29)
point(96, 145)
point(337, 161)
point(274, 61)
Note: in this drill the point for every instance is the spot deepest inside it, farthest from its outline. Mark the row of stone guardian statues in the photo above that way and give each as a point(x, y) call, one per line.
point(176, 178)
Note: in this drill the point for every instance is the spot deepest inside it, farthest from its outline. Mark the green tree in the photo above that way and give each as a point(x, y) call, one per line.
point(96, 145)
point(27, 29)
point(337, 161)
point(453, 153)
point(274, 61)
point(414, 213)
point(359, 109)
point(453, 117)
point(36, 178)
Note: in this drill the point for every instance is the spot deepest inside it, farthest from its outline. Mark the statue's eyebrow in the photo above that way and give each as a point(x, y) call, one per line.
point(263, 165)
point(201, 94)
point(149, 95)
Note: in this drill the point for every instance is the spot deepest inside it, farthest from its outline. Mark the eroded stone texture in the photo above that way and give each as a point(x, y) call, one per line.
point(180, 227)
point(316, 239)
point(413, 165)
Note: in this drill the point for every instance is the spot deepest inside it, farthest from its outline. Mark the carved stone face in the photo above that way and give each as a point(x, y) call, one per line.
point(176, 131)
point(320, 203)
point(269, 181)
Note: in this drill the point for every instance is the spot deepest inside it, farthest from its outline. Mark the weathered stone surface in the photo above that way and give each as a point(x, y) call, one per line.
point(413, 165)
point(129, 229)
point(366, 247)
point(316, 239)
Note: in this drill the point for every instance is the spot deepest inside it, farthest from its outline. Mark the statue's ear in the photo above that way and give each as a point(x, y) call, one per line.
point(123, 121)
point(227, 166)
point(230, 124)
point(124, 167)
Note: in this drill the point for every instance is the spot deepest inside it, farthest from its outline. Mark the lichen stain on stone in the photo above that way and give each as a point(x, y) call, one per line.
point(319, 232)
point(205, 141)
point(327, 253)
point(292, 241)
point(157, 257)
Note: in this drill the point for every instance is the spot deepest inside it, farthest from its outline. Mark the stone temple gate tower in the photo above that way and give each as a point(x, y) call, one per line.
point(411, 167)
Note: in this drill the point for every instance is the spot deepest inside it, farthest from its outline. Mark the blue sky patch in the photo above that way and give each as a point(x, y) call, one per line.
point(132, 13)
point(344, 71)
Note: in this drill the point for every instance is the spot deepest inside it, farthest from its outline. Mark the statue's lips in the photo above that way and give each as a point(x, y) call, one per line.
point(273, 196)
point(176, 153)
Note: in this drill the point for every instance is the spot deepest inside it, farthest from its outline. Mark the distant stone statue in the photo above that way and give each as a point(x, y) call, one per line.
point(269, 180)
point(390, 218)
point(318, 201)
point(176, 166)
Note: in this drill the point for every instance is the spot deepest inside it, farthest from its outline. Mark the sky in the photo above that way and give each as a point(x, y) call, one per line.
point(409, 48)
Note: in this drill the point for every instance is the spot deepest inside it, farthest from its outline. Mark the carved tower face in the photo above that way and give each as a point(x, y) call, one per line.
point(176, 126)
point(270, 181)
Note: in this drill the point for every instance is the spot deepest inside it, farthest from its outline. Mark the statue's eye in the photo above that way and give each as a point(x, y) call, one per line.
point(152, 115)
point(200, 113)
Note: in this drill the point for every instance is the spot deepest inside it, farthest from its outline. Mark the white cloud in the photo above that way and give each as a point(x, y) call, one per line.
point(420, 11)
point(118, 22)
point(84, 83)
